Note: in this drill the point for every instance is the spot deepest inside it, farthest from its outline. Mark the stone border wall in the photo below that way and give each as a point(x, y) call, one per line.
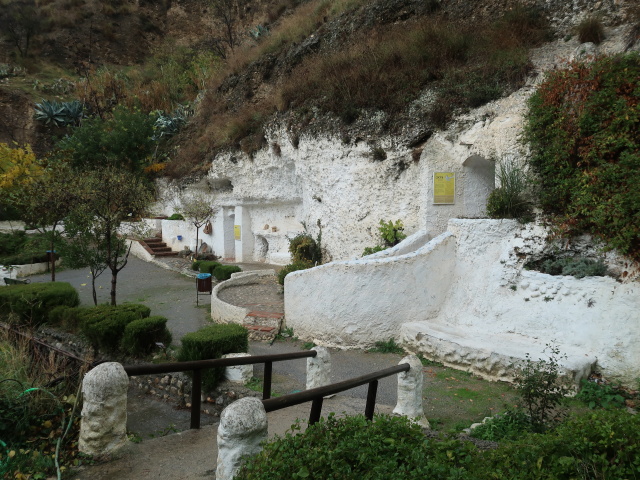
point(222, 312)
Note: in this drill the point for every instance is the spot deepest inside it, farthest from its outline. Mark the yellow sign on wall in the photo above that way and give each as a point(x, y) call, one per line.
point(444, 188)
point(237, 232)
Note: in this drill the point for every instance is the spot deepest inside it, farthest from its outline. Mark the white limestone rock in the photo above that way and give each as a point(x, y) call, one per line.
point(243, 426)
point(319, 368)
point(239, 373)
point(103, 428)
point(410, 384)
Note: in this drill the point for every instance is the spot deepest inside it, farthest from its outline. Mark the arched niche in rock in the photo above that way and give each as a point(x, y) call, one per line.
point(479, 182)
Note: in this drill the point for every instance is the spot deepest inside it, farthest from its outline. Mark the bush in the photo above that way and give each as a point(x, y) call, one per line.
point(583, 130)
point(293, 267)
point(603, 444)
point(176, 216)
point(205, 266)
point(542, 389)
point(510, 200)
point(140, 336)
point(104, 325)
point(578, 267)
point(599, 395)
point(195, 265)
point(509, 425)
point(352, 447)
point(304, 248)
point(213, 341)
point(372, 250)
point(33, 302)
point(590, 30)
point(223, 272)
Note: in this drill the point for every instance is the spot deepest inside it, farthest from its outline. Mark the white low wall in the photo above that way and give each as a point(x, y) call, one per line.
point(466, 300)
point(18, 271)
point(358, 302)
point(222, 312)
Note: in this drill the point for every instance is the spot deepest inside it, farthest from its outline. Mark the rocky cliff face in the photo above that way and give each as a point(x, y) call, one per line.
point(347, 180)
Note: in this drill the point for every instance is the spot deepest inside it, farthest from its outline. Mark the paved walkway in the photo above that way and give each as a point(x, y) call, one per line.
point(170, 291)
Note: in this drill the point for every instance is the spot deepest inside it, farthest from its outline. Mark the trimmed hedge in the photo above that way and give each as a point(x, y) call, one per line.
point(293, 267)
point(32, 303)
point(140, 336)
point(213, 341)
point(104, 325)
point(206, 266)
point(223, 272)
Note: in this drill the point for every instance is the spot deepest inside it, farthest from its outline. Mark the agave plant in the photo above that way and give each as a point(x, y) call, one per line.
point(51, 112)
point(73, 112)
point(169, 124)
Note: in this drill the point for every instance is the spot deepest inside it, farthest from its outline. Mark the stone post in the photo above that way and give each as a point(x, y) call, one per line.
point(319, 368)
point(243, 425)
point(410, 385)
point(103, 427)
point(239, 373)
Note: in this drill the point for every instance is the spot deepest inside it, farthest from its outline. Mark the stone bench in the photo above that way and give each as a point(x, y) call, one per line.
point(490, 356)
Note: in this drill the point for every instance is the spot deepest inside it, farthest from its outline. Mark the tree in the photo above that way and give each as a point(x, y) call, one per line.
point(109, 196)
point(19, 22)
point(84, 249)
point(44, 204)
point(198, 209)
point(226, 14)
point(125, 140)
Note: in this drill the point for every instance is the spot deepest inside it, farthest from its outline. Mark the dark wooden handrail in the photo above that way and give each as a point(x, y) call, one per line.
point(196, 366)
point(316, 395)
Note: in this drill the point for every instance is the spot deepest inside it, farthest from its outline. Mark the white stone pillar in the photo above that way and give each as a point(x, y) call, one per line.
point(238, 373)
point(103, 427)
point(319, 368)
point(243, 425)
point(410, 385)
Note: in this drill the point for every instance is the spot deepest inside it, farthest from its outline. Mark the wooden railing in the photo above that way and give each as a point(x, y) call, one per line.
point(197, 366)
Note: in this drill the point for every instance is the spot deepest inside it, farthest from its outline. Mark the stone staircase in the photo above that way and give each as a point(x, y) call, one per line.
point(155, 246)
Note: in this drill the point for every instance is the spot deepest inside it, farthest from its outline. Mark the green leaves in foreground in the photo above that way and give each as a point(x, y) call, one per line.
point(601, 444)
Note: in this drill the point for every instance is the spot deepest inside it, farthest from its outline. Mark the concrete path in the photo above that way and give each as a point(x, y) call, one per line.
point(192, 454)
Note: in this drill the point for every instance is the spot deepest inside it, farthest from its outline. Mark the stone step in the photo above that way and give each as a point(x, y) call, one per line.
point(166, 254)
point(160, 248)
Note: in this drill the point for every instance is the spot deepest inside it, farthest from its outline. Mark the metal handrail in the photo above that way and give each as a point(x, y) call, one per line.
point(196, 366)
point(316, 395)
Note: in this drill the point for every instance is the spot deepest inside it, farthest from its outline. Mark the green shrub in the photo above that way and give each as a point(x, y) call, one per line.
point(304, 248)
point(176, 216)
point(140, 336)
point(509, 425)
point(542, 389)
point(372, 250)
point(578, 267)
point(599, 395)
point(583, 130)
point(352, 447)
point(195, 265)
point(293, 267)
point(602, 444)
point(213, 341)
point(104, 325)
point(33, 302)
point(511, 199)
point(223, 272)
point(206, 266)
point(65, 317)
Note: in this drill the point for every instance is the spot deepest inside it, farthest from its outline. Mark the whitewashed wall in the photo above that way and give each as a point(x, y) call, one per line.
point(465, 299)
point(358, 302)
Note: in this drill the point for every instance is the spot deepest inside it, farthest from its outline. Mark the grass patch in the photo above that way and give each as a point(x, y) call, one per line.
point(390, 346)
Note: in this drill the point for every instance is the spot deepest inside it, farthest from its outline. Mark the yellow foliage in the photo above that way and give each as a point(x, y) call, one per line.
point(18, 166)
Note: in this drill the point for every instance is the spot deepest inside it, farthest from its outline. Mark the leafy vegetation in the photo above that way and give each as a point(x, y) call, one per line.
point(601, 444)
point(600, 395)
point(293, 267)
point(542, 388)
point(590, 30)
point(578, 267)
point(512, 198)
point(390, 346)
point(391, 234)
point(583, 130)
